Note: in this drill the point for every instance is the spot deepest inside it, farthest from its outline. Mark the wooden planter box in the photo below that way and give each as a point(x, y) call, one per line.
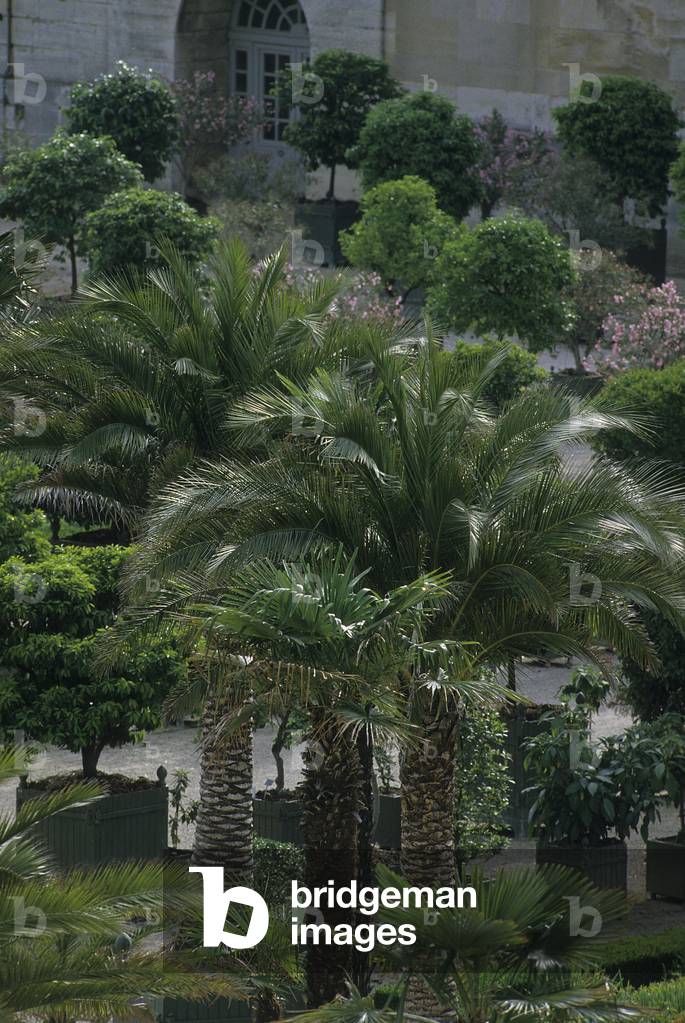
point(322, 222)
point(279, 819)
point(666, 868)
point(126, 826)
point(606, 866)
point(388, 827)
point(519, 729)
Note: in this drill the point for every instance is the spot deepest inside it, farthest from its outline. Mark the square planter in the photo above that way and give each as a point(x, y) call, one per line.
point(279, 819)
point(321, 222)
point(666, 868)
point(180, 1010)
point(606, 866)
point(584, 385)
point(125, 826)
point(388, 825)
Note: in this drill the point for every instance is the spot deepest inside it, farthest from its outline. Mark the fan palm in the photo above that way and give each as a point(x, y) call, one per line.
point(511, 956)
point(57, 932)
point(136, 380)
point(414, 471)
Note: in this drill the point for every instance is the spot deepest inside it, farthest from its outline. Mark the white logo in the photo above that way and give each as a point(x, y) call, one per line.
point(216, 903)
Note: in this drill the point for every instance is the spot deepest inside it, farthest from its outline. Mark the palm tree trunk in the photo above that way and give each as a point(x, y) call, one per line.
point(330, 796)
point(223, 835)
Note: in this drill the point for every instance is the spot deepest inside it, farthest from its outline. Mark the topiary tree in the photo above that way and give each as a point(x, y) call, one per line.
point(399, 235)
point(53, 187)
point(128, 227)
point(137, 110)
point(422, 134)
point(631, 131)
point(54, 613)
point(506, 276)
point(517, 370)
point(333, 94)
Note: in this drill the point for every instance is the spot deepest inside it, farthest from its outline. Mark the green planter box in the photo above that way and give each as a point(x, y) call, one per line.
point(180, 1010)
point(125, 826)
point(322, 222)
point(606, 866)
point(519, 729)
point(666, 868)
point(279, 819)
point(388, 827)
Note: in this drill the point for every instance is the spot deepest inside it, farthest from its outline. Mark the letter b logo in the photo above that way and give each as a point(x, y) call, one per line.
point(216, 903)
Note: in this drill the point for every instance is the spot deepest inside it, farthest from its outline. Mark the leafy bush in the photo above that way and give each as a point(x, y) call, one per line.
point(506, 155)
point(52, 188)
point(422, 135)
point(362, 296)
point(22, 531)
point(506, 276)
point(657, 396)
point(399, 235)
point(482, 784)
point(129, 226)
point(276, 865)
point(631, 131)
point(54, 616)
point(136, 110)
point(644, 958)
point(649, 695)
point(645, 328)
point(333, 94)
point(518, 370)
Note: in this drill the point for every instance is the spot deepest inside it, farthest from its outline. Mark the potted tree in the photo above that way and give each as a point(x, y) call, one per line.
point(332, 96)
point(589, 798)
point(666, 856)
point(277, 810)
point(54, 613)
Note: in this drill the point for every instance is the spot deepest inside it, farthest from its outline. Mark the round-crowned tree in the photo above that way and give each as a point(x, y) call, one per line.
point(399, 235)
point(53, 187)
point(333, 94)
point(506, 276)
point(421, 134)
point(129, 227)
point(137, 110)
point(631, 131)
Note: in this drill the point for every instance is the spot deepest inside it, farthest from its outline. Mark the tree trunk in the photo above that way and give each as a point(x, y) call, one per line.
point(90, 756)
point(330, 797)
point(277, 750)
point(266, 1007)
point(71, 245)
point(223, 835)
point(361, 973)
point(330, 194)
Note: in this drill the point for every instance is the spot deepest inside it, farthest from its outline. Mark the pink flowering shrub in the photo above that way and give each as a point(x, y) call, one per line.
point(505, 154)
point(647, 329)
point(362, 296)
point(206, 117)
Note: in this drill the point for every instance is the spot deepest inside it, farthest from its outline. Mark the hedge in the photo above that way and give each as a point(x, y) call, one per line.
point(646, 958)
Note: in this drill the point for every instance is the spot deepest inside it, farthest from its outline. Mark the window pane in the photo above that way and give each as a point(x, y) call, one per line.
point(241, 60)
point(241, 82)
point(269, 132)
point(269, 62)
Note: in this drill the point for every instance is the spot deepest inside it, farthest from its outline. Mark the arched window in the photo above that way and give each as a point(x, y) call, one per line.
point(267, 36)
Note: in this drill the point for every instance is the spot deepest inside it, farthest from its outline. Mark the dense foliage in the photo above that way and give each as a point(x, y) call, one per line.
point(333, 93)
point(506, 156)
point(53, 187)
point(483, 783)
point(631, 131)
point(400, 234)
point(657, 397)
point(646, 327)
point(422, 135)
point(505, 276)
point(130, 227)
point(54, 613)
point(517, 370)
point(22, 530)
point(648, 696)
point(134, 109)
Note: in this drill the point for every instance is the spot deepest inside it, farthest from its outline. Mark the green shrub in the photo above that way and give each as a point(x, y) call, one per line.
point(657, 395)
point(129, 227)
point(22, 530)
point(651, 694)
point(631, 131)
point(422, 135)
point(482, 784)
point(506, 276)
point(518, 370)
point(136, 110)
point(644, 958)
point(400, 233)
point(667, 998)
point(276, 866)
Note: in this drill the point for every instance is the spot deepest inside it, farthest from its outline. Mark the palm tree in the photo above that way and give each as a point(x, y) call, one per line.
point(411, 468)
point(70, 942)
point(512, 956)
point(137, 379)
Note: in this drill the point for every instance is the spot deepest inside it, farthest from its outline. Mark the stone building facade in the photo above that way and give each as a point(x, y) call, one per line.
point(521, 56)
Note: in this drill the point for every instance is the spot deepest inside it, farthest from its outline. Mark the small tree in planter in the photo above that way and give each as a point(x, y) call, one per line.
point(134, 109)
point(507, 276)
point(421, 134)
point(51, 189)
point(399, 235)
point(588, 799)
point(666, 856)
